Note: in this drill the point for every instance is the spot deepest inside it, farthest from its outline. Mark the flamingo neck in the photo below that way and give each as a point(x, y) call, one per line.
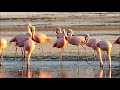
point(33, 35)
point(64, 32)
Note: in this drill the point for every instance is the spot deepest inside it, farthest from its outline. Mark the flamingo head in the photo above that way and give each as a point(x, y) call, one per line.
point(86, 36)
point(29, 25)
point(58, 30)
point(69, 32)
point(33, 29)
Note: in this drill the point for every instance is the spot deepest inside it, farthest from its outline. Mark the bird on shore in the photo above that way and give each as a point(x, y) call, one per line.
point(19, 41)
point(76, 40)
point(61, 43)
point(39, 37)
point(105, 45)
point(3, 45)
point(29, 46)
point(93, 44)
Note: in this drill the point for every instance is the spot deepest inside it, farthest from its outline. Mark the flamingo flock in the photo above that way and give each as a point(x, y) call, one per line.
point(27, 43)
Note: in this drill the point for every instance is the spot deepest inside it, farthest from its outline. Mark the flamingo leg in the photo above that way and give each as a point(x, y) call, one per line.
point(28, 61)
point(42, 50)
point(1, 63)
point(100, 58)
point(61, 54)
point(104, 56)
point(15, 54)
point(22, 54)
point(78, 52)
point(109, 57)
point(94, 55)
point(109, 72)
point(85, 50)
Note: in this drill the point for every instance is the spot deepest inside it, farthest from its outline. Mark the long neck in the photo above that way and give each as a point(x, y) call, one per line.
point(64, 32)
point(33, 34)
point(87, 39)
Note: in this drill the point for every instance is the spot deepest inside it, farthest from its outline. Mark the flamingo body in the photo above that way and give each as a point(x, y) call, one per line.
point(106, 46)
point(29, 46)
point(3, 45)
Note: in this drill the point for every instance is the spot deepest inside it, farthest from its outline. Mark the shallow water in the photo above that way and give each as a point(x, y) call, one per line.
point(58, 69)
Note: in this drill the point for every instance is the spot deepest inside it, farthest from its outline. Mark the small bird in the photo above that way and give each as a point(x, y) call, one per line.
point(76, 40)
point(3, 45)
point(29, 46)
point(106, 46)
point(60, 43)
point(39, 37)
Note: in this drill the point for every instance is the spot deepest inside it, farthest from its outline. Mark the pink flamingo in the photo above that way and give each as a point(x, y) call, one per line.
point(39, 37)
point(93, 44)
point(3, 45)
point(29, 46)
point(106, 46)
point(76, 40)
point(60, 43)
point(20, 39)
point(117, 42)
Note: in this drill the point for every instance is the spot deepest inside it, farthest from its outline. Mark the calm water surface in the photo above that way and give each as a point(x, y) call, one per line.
point(56, 69)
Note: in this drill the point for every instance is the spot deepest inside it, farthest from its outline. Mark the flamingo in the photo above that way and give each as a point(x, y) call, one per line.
point(29, 46)
point(93, 44)
point(117, 42)
point(60, 43)
point(3, 45)
point(39, 37)
point(105, 45)
point(20, 39)
point(76, 40)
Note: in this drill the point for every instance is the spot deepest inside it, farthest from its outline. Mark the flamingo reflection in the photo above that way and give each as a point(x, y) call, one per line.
point(103, 73)
point(45, 74)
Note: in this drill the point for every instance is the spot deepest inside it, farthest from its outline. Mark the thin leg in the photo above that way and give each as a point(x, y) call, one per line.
point(78, 52)
point(85, 51)
point(1, 63)
point(22, 54)
point(61, 54)
point(15, 53)
point(109, 72)
point(42, 50)
point(104, 56)
point(94, 55)
point(28, 61)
